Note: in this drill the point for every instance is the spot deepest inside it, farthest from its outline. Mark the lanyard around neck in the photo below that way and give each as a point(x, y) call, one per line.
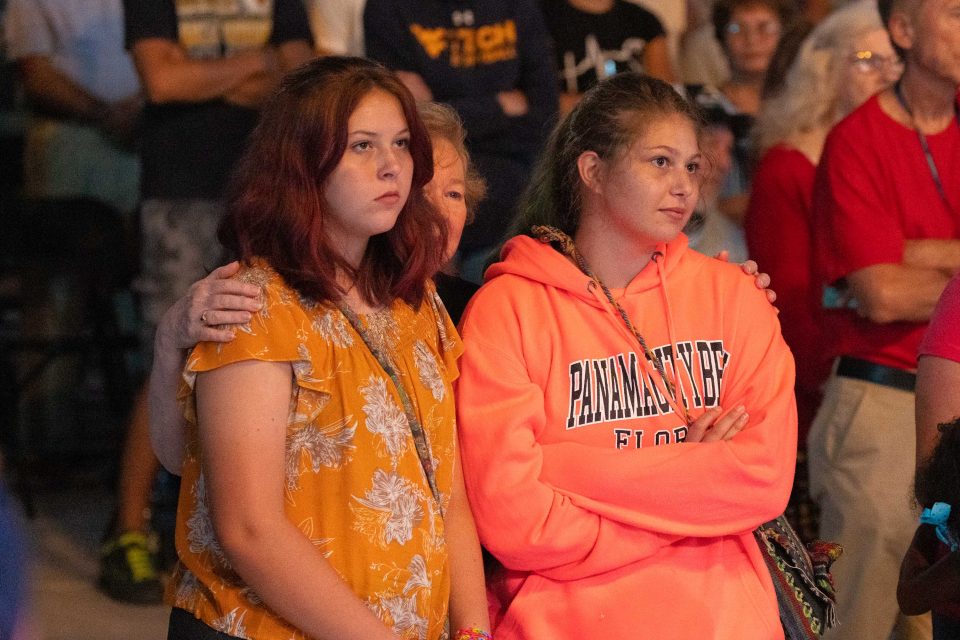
point(547, 234)
point(416, 428)
point(934, 172)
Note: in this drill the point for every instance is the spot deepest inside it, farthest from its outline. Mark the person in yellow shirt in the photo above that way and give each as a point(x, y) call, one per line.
point(321, 492)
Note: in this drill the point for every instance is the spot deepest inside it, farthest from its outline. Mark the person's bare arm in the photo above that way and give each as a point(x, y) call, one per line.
point(922, 585)
point(656, 60)
point(294, 53)
point(514, 103)
point(568, 101)
point(816, 10)
point(169, 75)
point(468, 599)
point(896, 292)
point(933, 253)
point(937, 400)
point(734, 207)
point(256, 89)
point(52, 92)
point(242, 411)
point(416, 85)
point(221, 301)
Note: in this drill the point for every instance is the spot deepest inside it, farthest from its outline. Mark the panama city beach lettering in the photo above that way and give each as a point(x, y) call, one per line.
point(617, 388)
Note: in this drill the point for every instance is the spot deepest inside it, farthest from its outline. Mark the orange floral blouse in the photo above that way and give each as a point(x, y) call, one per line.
point(354, 483)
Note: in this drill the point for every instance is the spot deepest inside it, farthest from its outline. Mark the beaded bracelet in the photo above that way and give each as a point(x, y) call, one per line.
point(473, 633)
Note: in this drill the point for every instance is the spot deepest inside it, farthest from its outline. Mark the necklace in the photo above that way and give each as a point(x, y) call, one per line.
point(934, 172)
point(568, 248)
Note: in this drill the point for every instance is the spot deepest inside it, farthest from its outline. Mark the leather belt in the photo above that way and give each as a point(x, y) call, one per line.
point(877, 373)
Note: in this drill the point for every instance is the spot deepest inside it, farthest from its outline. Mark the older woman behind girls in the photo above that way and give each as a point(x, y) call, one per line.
point(321, 491)
point(845, 59)
point(617, 474)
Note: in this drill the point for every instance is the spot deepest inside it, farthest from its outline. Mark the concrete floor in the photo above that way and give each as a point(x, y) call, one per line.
point(65, 602)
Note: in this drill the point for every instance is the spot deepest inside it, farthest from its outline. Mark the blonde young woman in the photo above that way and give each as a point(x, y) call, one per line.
point(625, 404)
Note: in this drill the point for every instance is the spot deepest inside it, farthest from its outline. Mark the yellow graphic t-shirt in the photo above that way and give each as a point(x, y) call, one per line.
point(211, 29)
point(354, 483)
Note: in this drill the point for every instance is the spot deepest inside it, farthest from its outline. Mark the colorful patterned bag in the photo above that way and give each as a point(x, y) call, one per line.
point(801, 577)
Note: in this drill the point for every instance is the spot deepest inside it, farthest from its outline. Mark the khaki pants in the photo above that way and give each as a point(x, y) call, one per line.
point(861, 456)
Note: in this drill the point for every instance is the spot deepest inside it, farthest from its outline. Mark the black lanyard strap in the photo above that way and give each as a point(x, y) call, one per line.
point(934, 172)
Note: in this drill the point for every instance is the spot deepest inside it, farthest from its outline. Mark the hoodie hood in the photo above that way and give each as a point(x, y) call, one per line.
point(529, 258)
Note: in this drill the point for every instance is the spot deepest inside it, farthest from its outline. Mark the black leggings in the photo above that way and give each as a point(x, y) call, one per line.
point(183, 626)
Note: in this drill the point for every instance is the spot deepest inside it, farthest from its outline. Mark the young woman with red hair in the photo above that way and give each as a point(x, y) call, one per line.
point(321, 492)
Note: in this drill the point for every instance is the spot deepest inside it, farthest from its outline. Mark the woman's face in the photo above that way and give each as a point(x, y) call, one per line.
point(751, 38)
point(369, 186)
point(647, 194)
point(870, 66)
point(447, 190)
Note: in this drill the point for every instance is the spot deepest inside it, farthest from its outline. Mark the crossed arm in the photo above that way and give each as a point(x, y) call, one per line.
point(908, 291)
point(537, 507)
point(244, 78)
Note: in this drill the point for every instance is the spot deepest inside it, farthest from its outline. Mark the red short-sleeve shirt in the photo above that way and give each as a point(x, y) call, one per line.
point(873, 192)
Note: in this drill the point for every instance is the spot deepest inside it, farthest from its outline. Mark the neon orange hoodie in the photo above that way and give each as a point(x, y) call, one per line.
point(607, 524)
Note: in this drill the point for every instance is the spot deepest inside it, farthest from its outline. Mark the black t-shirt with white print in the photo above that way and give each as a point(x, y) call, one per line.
point(591, 46)
point(188, 149)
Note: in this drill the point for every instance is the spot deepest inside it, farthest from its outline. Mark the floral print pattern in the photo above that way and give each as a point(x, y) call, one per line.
point(354, 485)
point(385, 418)
point(429, 370)
point(389, 510)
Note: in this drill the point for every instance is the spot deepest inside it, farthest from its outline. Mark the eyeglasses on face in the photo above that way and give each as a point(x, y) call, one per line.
point(767, 28)
point(873, 62)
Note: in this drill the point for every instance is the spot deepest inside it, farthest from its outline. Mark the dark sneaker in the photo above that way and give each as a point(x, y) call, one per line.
point(128, 570)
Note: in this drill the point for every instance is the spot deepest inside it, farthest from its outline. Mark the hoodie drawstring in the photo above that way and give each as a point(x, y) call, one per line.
point(658, 258)
point(677, 400)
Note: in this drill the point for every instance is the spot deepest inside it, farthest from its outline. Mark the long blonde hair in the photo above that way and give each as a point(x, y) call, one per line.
point(809, 97)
